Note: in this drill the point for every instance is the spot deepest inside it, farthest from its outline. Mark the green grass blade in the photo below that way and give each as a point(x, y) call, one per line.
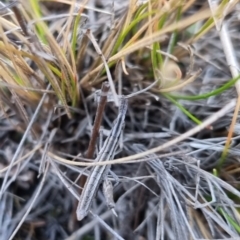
point(209, 94)
point(234, 224)
point(184, 110)
point(74, 37)
point(129, 28)
point(37, 12)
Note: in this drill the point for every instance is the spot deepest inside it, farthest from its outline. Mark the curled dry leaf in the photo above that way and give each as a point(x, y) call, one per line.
point(170, 74)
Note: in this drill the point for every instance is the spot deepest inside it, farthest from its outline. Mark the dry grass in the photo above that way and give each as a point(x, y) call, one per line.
point(177, 159)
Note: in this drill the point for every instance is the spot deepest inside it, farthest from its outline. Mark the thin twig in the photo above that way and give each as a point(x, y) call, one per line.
point(98, 120)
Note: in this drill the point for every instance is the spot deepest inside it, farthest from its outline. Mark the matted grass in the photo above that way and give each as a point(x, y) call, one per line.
point(177, 159)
